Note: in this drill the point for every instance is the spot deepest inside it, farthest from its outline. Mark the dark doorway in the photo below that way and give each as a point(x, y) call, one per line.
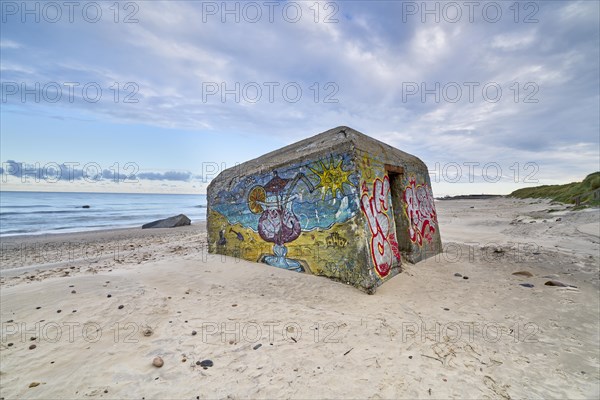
point(396, 177)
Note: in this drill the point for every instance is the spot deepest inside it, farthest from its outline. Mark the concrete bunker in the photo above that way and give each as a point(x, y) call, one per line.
point(339, 204)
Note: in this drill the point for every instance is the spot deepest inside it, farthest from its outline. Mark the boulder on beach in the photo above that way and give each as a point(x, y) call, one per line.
point(171, 222)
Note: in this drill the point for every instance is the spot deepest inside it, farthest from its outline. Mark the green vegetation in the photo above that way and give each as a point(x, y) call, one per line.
point(565, 193)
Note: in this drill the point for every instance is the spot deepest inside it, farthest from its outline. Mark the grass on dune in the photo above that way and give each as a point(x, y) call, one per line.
point(565, 193)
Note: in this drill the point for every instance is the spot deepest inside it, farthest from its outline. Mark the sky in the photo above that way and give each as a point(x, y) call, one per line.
point(159, 96)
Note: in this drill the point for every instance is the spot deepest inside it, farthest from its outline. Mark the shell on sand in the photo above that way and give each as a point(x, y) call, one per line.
point(158, 362)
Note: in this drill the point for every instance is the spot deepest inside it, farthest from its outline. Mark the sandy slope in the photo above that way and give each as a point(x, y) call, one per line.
point(425, 334)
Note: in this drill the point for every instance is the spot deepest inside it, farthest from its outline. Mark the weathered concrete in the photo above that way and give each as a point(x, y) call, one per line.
point(171, 222)
point(338, 204)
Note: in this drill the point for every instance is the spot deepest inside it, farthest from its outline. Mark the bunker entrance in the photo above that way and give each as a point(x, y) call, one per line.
point(396, 175)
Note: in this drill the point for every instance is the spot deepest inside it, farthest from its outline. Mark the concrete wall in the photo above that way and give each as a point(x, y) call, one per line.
point(408, 210)
point(317, 201)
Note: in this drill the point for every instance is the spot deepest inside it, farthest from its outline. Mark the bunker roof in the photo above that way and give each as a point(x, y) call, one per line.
point(340, 139)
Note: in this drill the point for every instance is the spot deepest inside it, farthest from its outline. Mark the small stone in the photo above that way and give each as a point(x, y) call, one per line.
point(32, 338)
point(527, 285)
point(158, 362)
point(147, 331)
point(109, 295)
point(9, 321)
point(73, 291)
point(38, 307)
point(206, 363)
point(446, 309)
point(34, 384)
point(465, 277)
point(194, 333)
point(58, 311)
point(33, 346)
point(10, 344)
point(74, 310)
point(257, 346)
point(458, 275)
point(234, 305)
point(523, 273)
point(410, 357)
point(121, 307)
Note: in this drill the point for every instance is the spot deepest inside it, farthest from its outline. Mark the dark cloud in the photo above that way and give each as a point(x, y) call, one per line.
point(91, 172)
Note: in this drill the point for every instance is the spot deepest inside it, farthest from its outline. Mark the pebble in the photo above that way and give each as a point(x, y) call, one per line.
point(73, 291)
point(465, 277)
point(34, 384)
point(147, 332)
point(110, 295)
point(194, 333)
point(257, 346)
point(558, 283)
point(528, 285)
point(10, 344)
point(33, 346)
point(158, 362)
point(457, 274)
point(58, 311)
point(523, 273)
point(121, 307)
point(38, 307)
point(446, 309)
point(206, 363)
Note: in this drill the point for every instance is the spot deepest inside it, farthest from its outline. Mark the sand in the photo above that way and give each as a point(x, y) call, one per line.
point(272, 333)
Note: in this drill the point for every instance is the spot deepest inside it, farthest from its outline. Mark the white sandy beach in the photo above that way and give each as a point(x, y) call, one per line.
point(272, 333)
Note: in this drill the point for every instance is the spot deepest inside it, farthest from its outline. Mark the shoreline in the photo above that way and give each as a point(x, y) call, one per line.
point(28, 236)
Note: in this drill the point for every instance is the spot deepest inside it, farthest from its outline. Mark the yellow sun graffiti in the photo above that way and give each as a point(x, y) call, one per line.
point(331, 177)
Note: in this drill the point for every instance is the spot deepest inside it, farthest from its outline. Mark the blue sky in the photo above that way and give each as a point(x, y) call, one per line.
point(162, 79)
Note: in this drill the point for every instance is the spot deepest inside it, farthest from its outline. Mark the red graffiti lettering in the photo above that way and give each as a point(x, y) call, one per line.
point(384, 247)
point(420, 209)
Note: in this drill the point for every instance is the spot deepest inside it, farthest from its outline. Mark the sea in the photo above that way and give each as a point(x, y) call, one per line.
point(33, 213)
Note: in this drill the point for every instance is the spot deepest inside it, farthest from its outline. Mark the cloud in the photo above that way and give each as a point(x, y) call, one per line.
point(351, 72)
point(70, 172)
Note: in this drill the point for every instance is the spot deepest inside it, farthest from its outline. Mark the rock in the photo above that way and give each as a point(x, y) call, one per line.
point(458, 275)
point(206, 363)
point(33, 346)
point(257, 346)
point(527, 285)
point(121, 307)
point(172, 222)
point(34, 384)
point(523, 273)
point(147, 331)
point(85, 206)
point(465, 277)
point(158, 362)
point(194, 333)
point(558, 284)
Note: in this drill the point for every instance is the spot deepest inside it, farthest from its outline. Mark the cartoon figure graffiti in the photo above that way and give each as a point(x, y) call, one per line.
point(420, 210)
point(277, 223)
point(384, 246)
